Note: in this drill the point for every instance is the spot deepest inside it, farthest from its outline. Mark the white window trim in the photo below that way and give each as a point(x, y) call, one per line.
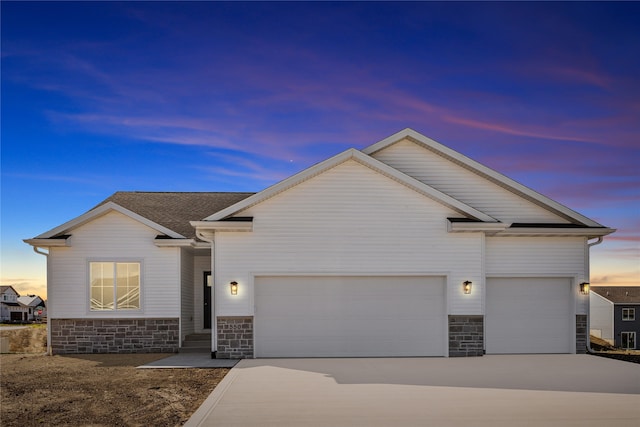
point(631, 314)
point(630, 333)
point(110, 313)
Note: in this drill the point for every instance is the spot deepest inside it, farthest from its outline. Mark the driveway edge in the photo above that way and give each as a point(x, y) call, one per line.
point(202, 413)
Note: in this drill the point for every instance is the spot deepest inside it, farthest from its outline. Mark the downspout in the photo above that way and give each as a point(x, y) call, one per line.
point(37, 250)
point(214, 318)
point(587, 255)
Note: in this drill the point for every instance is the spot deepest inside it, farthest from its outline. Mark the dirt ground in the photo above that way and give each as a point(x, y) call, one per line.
point(99, 390)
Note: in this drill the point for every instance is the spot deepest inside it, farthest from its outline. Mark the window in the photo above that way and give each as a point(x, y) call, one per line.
point(628, 314)
point(115, 285)
point(628, 340)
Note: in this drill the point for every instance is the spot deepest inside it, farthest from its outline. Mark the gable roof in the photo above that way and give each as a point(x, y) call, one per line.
point(30, 300)
point(484, 172)
point(168, 213)
point(5, 288)
point(365, 160)
point(619, 294)
point(174, 210)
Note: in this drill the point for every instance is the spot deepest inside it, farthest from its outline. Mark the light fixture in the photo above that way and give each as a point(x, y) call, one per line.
point(234, 288)
point(466, 286)
point(584, 288)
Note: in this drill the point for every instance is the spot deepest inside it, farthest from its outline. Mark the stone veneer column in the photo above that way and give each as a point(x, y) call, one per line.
point(235, 338)
point(78, 336)
point(581, 333)
point(466, 336)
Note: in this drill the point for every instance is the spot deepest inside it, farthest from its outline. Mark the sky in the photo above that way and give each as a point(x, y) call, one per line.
point(234, 96)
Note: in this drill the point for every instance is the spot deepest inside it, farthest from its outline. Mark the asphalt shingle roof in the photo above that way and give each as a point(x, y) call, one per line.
point(174, 210)
point(619, 294)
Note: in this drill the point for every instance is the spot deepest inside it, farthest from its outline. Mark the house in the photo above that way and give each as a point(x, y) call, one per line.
point(615, 315)
point(34, 305)
point(404, 248)
point(10, 308)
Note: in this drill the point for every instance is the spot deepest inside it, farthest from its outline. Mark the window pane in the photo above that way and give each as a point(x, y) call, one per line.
point(101, 285)
point(128, 285)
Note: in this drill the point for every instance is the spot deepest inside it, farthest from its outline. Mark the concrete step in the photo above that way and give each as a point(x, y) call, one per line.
point(196, 343)
point(198, 337)
point(198, 350)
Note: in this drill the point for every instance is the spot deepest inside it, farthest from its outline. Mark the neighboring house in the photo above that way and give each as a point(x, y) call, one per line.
point(615, 315)
point(405, 248)
point(10, 308)
point(35, 306)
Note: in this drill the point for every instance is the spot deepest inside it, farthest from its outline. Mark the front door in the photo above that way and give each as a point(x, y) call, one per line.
point(207, 300)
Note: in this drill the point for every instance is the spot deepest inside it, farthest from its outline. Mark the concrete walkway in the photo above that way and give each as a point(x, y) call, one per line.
point(190, 360)
point(514, 390)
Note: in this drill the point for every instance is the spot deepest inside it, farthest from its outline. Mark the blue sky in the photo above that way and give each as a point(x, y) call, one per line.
point(233, 96)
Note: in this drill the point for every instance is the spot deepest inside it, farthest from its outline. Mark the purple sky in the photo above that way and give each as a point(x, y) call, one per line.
point(207, 96)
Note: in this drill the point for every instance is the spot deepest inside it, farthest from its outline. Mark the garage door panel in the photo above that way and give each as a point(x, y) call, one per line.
point(349, 316)
point(528, 315)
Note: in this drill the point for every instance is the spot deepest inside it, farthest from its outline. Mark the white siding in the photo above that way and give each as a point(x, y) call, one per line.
point(186, 293)
point(462, 184)
point(201, 264)
point(601, 316)
point(348, 220)
point(540, 257)
point(113, 237)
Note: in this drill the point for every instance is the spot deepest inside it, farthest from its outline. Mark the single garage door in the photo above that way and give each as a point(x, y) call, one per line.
point(529, 315)
point(320, 316)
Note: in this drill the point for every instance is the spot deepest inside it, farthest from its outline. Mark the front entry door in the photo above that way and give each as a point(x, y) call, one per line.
point(207, 300)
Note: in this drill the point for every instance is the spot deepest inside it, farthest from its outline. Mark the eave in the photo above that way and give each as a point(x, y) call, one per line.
point(463, 225)
point(489, 228)
point(226, 225)
point(48, 243)
point(589, 232)
point(163, 242)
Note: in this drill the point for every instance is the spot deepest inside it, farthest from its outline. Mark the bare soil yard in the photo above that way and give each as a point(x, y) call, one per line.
point(99, 390)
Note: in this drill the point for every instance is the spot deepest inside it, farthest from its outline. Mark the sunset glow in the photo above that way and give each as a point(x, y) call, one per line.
point(231, 96)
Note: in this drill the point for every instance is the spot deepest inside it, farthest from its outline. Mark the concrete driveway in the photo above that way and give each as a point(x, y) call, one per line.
point(514, 390)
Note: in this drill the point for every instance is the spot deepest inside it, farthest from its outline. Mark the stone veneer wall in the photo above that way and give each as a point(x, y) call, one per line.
point(235, 338)
point(466, 336)
point(73, 336)
point(581, 333)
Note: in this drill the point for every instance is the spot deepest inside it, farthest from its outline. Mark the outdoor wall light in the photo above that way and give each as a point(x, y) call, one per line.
point(584, 288)
point(466, 286)
point(234, 288)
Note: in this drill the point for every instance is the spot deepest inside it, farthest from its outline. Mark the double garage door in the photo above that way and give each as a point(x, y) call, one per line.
point(326, 316)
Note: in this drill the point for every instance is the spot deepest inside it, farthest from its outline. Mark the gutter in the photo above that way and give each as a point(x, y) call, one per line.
point(214, 318)
point(599, 240)
point(39, 251)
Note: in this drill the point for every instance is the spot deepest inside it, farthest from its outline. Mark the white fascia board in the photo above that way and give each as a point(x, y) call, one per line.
point(172, 243)
point(364, 159)
point(102, 210)
point(485, 171)
point(46, 243)
point(222, 225)
point(472, 227)
point(589, 232)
